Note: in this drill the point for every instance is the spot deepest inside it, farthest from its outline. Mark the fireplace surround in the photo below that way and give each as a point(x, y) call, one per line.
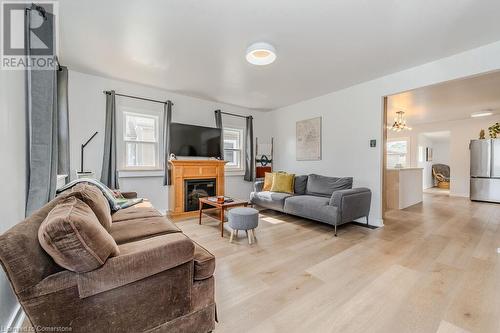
point(200, 170)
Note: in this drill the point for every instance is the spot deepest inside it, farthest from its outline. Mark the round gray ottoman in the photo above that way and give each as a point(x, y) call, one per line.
point(243, 218)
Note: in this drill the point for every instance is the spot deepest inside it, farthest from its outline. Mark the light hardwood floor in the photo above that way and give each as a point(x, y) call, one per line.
point(434, 267)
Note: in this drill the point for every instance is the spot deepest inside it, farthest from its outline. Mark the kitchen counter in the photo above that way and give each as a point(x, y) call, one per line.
point(403, 187)
point(403, 169)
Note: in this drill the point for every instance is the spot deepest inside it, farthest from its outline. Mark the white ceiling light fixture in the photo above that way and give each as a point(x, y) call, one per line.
point(261, 54)
point(483, 113)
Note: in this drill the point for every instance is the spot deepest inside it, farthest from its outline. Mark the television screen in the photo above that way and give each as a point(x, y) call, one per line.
point(191, 140)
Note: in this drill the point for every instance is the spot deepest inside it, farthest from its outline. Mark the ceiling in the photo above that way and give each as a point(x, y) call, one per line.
point(198, 47)
point(438, 137)
point(447, 101)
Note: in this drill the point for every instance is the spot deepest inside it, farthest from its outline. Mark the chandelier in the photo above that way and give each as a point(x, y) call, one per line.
point(400, 122)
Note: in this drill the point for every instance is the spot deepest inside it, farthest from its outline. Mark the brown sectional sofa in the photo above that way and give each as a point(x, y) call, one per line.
point(161, 281)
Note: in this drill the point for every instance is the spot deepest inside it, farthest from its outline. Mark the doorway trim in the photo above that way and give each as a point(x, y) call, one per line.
point(384, 153)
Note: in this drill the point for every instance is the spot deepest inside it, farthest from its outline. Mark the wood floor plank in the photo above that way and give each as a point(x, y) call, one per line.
point(370, 308)
point(434, 267)
point(475, 305)
point(446, 327)
point(426, 303)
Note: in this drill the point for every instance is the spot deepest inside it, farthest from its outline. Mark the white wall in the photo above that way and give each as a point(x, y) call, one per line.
point(12, 168)
point(426, 166)
point(441, 151)
point(87, 112)
point(353, 116)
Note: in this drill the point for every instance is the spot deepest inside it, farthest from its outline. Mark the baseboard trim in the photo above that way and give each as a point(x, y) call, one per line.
point(379, 222)
point(16, 320)
point(376, 222)
point(373, 222)
point(364, 225)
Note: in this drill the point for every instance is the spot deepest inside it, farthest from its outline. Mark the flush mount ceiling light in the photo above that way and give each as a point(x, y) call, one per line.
point(483, 113)
point(261, 54)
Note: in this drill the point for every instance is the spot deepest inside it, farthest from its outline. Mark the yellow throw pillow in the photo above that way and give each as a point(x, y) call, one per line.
point(268, 181)
point(283, 182)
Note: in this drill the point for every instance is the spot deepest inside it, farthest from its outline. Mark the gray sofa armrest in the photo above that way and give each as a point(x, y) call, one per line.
point(258, 185)
point(351, 204)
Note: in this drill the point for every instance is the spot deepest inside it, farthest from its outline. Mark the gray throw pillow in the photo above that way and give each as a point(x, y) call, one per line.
point(324, 186)
point(300, 184)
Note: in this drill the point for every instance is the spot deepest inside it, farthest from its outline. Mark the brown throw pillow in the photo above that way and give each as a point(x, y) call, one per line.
point(74, 238)
point(94, 198)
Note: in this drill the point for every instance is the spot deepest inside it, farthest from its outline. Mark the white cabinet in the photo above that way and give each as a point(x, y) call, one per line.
point(403, 187)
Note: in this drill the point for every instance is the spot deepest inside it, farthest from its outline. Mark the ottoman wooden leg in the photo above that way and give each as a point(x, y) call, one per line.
point(222, 222)
point(231, 238)
point(249, 236)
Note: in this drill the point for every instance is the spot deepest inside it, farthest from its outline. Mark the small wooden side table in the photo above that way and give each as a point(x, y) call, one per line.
point(222, 207)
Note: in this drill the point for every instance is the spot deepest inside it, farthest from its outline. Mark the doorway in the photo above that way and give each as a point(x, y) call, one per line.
point(434, 159)
point(430, 129)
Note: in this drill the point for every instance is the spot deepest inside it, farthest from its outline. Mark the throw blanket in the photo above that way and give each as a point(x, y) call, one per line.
point(114, 202)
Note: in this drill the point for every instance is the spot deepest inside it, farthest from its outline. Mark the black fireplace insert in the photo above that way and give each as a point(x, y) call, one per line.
point(195, 189)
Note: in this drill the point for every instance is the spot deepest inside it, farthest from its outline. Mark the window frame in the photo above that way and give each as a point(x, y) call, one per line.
point(407, 154)
point(157, 115)
point(235, 169)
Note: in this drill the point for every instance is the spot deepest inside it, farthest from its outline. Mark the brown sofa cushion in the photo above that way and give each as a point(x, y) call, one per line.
point(137, 260)
point(141, 228)
point(204, 263)
point(134, 212)
point(94, 198)
point(74, 238)
point(24, 260)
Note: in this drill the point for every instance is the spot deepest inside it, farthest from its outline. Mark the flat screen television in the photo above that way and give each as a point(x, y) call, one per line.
point(192, 140)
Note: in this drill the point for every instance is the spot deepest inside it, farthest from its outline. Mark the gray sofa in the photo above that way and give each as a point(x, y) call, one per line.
point(325, 199)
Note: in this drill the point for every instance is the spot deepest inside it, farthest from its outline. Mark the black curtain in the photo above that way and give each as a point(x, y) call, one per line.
point(249, 158)
point(218, 124)
point(167, 120)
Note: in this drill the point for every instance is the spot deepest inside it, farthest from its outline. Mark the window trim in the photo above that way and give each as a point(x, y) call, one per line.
point(241, 169)
point(122, 142)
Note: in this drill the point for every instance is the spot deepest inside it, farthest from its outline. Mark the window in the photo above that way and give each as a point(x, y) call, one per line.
point(141, 142)
point(397, 153)
point(233, 149)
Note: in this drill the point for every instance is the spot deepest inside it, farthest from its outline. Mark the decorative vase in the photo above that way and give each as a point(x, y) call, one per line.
point(481, 135)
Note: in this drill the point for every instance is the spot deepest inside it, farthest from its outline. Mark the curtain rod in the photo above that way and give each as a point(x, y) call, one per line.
point(234, 115)
point(141, 98)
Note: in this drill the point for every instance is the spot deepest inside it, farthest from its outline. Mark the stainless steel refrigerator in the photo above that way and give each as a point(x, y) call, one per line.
point(485, 170)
